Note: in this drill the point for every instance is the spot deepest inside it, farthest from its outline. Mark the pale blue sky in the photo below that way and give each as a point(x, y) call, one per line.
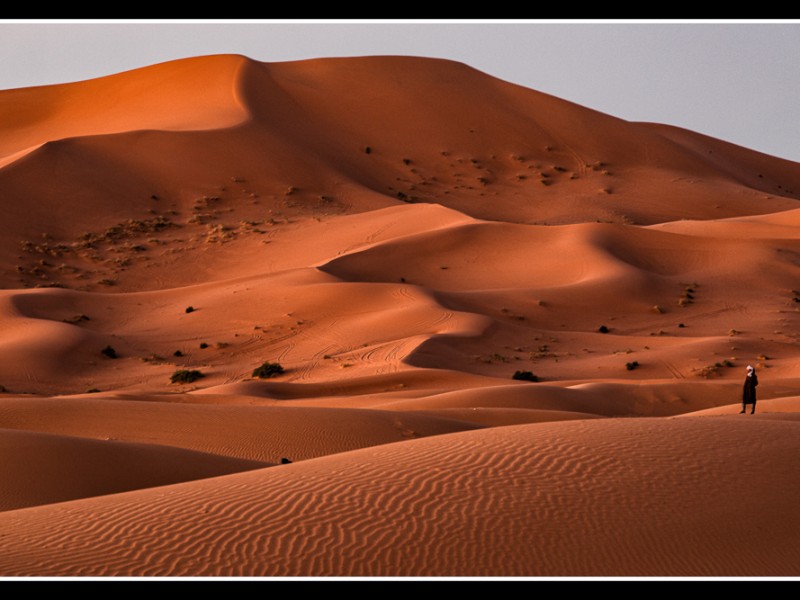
point(738, 81)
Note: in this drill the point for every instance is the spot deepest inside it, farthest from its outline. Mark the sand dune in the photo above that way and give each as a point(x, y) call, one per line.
point(40, 468)
point(265, 433)
point(139, 99)
point(710, 496)
point(513, 329)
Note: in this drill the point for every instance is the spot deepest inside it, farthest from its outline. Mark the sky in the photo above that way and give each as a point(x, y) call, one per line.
point(735, 80)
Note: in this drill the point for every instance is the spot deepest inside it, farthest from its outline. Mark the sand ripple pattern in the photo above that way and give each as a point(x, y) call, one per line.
point(610, 497)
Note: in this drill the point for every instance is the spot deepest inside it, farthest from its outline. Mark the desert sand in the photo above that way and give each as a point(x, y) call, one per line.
point(402, 235)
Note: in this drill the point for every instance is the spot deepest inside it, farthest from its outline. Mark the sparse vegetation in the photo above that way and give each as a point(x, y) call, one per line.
point(186, 376)
point(603, 329)
point(203, 345)
point(524, 376)
point(109, 352)
point(268, 370)
point(632, 365)
point(76, 319)
point(177, 353)
point(709, 370)
point(190, 309)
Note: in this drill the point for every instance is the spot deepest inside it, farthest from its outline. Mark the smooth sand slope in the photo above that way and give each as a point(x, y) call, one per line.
point(39, 468)
point(403, 235)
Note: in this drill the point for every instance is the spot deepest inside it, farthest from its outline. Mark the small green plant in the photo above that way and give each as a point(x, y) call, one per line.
point(109, 352)
point(267, 370)
point(632, 365)
point(524, 376)
point(185, 376)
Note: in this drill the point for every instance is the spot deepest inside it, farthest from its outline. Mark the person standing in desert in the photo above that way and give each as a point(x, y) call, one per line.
point(749, 390)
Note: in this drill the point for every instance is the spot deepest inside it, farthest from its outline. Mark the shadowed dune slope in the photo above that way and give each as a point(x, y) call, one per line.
point(266, 433)
point(38, 468)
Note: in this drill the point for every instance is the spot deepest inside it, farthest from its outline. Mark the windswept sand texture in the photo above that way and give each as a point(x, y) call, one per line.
point(401, 235)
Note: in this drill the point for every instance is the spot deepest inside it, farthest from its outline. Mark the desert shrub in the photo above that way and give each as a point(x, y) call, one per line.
point(632, 365)
point(603, 329)
point(109, 352)
point(177, 353)
point(76, 319)
point(267, 370)
point(189, 309)
point(185, 376)
point(203, 345)
point(708, 371)
point(524, 376)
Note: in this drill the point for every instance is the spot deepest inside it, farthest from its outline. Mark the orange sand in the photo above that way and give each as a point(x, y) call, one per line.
point(401, 235)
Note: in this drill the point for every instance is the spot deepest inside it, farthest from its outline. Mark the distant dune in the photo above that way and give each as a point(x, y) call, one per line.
point(513, 330)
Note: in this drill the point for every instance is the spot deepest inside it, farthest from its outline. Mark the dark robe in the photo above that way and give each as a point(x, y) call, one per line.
point(749, 391)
